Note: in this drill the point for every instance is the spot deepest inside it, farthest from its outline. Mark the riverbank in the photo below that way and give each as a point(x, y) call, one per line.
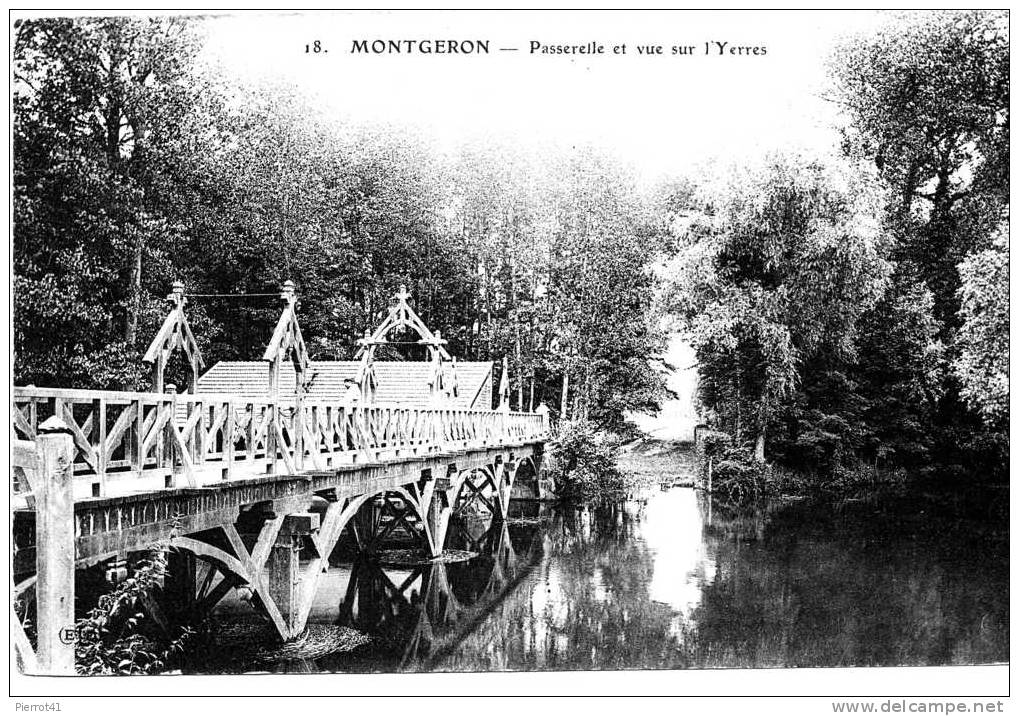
point(667, 463)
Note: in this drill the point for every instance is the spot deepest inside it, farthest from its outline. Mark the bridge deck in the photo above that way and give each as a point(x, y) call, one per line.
point(120, 524)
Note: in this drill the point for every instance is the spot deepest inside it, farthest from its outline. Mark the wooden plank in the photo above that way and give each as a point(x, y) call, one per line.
point(100, 451)
point(23, 454)
point(288, 459)
point(228, 440)
point(219, 414)
point(21, 423)
point(81, 440)
point(184, 454)
point(115, 433)
point(255, 575)
point(157, 420)
point(22, 645)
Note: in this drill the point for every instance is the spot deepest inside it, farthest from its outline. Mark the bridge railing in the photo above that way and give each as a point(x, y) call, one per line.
point(127, 441)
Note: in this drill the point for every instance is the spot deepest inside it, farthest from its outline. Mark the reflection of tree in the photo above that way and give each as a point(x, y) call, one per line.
point(850, 586)
point(587, 608)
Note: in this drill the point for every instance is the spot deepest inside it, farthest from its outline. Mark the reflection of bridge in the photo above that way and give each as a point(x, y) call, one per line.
point(260, 486)
point(426, 608)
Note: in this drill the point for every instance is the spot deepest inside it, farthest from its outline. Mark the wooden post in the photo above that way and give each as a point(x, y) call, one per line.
point(54, 556)
point(298, 424)
point(283, 567)
point(272, 417)
point(438, 512)
point(164, 450)
point(99, 411)
point(228, 440)
point(139, 435)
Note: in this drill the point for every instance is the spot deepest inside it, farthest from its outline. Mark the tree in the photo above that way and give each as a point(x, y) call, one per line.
point(982, 365)
point(775, 275)
point(604, 333)
point(104, 110)
point(928, 102)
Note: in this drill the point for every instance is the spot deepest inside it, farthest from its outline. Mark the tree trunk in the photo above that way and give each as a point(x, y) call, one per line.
point(759, 447)
point(564, 401)
point(134, 295)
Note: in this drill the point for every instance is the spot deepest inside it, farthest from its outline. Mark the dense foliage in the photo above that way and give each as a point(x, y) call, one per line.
point(134, 167)
point(117, 636)
point(853, 313)
point(582, 463)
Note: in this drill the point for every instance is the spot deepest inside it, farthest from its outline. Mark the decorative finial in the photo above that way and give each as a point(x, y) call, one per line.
point(288, 291)
point(402, 294)
point(176, 296)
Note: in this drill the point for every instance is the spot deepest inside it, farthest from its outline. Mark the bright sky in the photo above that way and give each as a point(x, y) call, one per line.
point(663, 114)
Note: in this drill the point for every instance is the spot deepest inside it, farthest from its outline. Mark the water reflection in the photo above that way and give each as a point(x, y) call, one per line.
point(668, 581)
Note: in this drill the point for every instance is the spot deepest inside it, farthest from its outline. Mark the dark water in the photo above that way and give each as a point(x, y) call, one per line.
point(666, 582)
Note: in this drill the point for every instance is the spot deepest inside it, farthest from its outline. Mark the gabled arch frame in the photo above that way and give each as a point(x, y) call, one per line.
point(401, 315)
point(287, 342)
point(175, 333)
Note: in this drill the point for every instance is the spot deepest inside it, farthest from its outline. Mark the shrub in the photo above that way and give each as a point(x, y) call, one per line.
point(113, 637)
point(582, 463)
point(740, 478)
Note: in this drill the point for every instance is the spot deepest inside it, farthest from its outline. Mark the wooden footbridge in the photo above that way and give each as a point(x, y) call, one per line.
point(257, 486)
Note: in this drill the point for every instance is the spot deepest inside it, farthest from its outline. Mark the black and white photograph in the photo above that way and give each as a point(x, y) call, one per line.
point(562, 352)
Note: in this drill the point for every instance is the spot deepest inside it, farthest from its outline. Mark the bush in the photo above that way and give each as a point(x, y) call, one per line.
point(739, 477)
point(115, 636)
point(582, 463)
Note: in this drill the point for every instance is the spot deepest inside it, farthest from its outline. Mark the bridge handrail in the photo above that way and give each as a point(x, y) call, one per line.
point(84, 395)
point(175, 439)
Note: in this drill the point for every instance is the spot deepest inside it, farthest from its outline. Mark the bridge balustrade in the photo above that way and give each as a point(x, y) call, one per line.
point(129, 441)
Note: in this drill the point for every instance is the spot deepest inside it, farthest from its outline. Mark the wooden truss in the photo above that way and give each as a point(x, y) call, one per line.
point(443, 383)
point(174, 333)
point(287, 341)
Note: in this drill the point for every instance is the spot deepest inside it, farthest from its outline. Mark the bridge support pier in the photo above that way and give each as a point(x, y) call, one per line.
point(284, 571)
point(283, 567)
point(439, 500)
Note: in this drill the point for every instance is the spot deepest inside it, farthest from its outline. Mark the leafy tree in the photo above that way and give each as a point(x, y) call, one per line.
point(102, 109)
point(982, 365)
point(776, 275)
point(600, 293)
point(928, 101)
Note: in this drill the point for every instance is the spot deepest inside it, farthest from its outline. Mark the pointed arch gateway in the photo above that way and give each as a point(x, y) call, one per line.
point(155, 423)
point(173, 334)
point(287, 342)
point(443, 383)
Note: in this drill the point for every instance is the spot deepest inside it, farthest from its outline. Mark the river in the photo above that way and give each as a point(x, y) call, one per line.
point(667, 580)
